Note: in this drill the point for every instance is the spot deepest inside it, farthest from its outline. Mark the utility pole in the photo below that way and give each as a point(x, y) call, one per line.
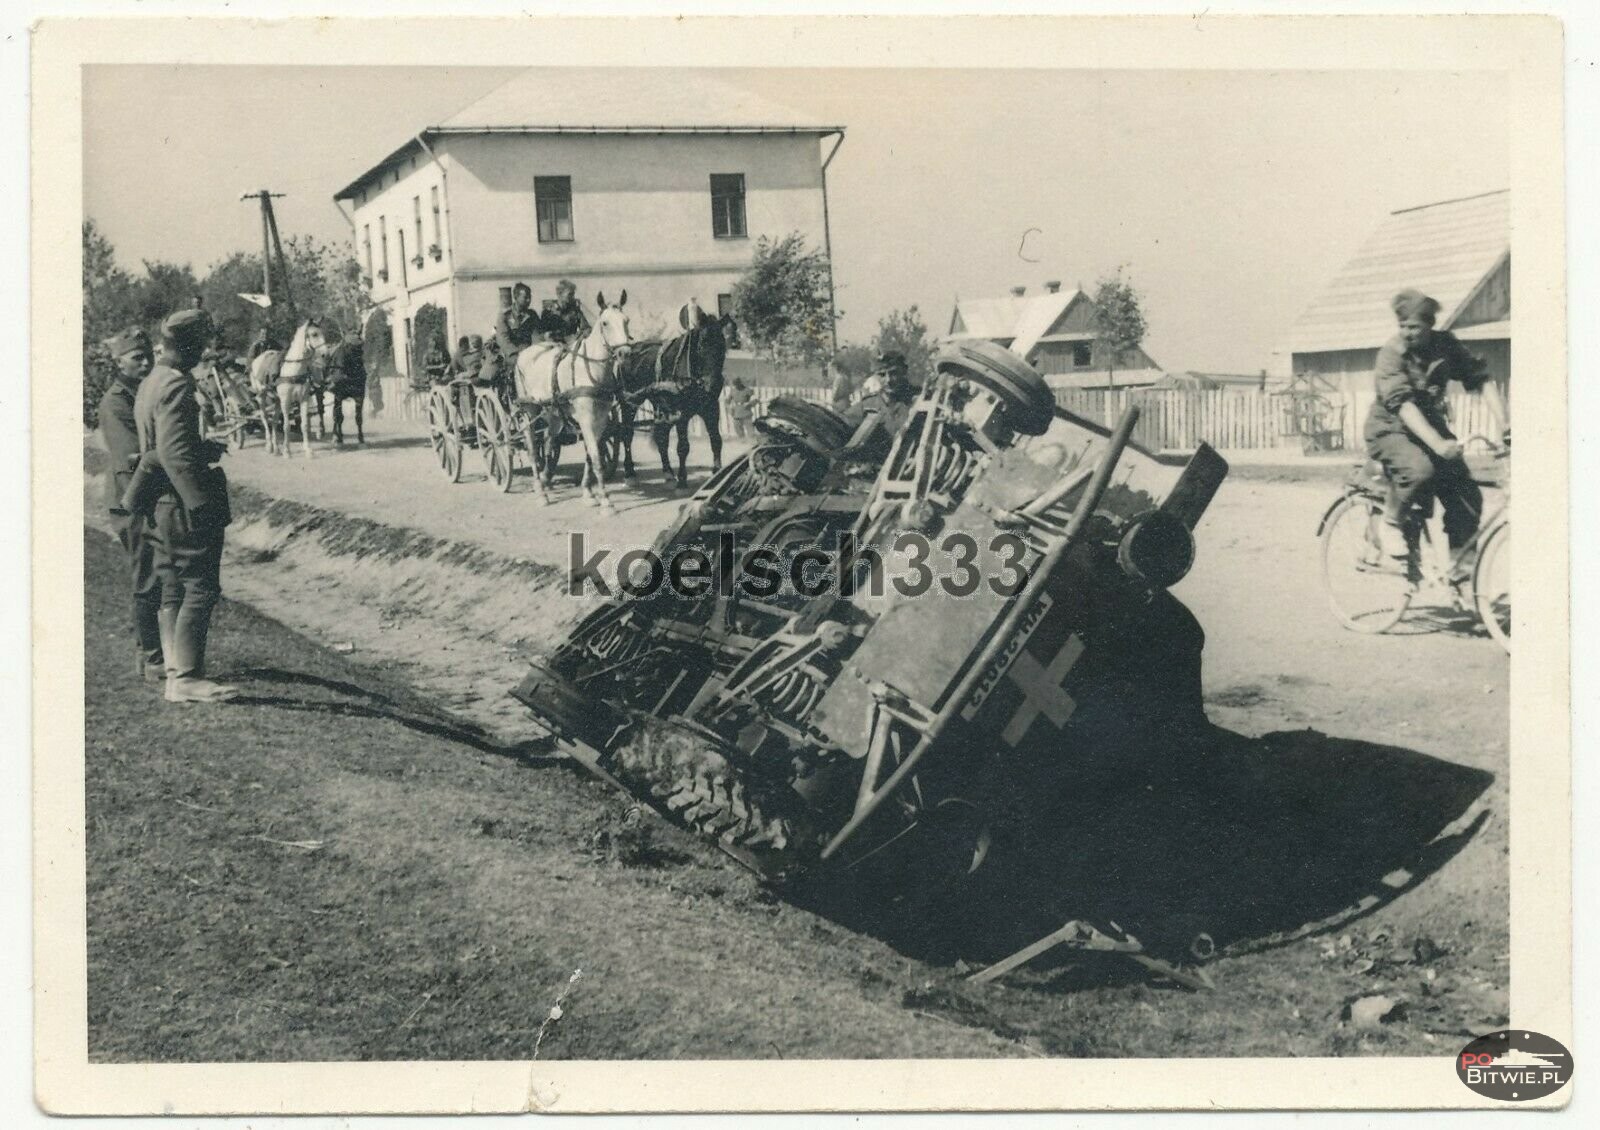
point(272, 248)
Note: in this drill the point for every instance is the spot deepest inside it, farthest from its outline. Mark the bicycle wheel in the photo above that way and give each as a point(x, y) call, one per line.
point(1366, 591)
point(1491, 584)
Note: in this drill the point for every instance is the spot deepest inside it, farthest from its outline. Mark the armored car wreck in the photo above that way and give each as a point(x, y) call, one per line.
point(964, 601)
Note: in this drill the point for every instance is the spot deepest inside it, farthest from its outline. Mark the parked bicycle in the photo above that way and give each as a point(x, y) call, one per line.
point(1371, 592)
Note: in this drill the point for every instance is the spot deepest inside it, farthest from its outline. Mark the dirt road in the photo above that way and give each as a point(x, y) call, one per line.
point(1356, 850)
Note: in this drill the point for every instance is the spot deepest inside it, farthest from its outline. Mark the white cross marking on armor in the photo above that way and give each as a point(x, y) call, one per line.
point(1041, 690)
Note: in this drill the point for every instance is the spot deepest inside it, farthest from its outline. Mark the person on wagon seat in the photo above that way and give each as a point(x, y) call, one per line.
point(518, 326)
point(465, 374)
point(565, 322)
point(1406, 430)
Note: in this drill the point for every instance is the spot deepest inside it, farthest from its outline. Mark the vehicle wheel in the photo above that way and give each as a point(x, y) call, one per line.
point(821, 425)
point(1029, 403)
point(682, 770)
point(1491, 584)
point(1365, 591)
point(494, 440)
point(441, 436)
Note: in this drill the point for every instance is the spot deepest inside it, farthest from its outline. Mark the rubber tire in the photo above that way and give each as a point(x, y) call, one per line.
point(1498, 541)
point(1373, 626)
point(822, 425)
point(1030, 405)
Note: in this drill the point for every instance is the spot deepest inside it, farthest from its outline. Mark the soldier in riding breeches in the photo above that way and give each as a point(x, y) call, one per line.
point(134, 360)
point(1406, 429)
point(190, 510)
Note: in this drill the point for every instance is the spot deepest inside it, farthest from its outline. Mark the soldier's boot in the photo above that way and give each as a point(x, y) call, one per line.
point(186, 681)
point(150, 663)
point(166, 626)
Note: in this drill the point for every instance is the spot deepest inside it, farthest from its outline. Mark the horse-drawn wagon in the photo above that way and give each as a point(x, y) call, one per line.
point(598, 392)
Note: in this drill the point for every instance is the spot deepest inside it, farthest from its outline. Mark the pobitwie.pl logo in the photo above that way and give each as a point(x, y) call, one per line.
point(1515, 1065)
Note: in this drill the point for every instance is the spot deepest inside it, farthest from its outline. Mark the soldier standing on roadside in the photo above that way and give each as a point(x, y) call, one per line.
point(190, 511)
point(131, 352)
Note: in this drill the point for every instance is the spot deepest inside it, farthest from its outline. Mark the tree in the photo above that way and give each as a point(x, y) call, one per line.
point(855, 360)
point(110, 304)
point(782, 302)
point(905, 332)
point(1119, 323)
point(165, 289)
point(428, 325)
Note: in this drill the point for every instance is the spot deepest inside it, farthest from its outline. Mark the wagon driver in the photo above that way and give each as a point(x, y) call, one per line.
point(1406, 429)
point(565, 321)
point(518, 325)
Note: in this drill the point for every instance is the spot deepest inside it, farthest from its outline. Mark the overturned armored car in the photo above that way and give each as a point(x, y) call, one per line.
point(963, 602)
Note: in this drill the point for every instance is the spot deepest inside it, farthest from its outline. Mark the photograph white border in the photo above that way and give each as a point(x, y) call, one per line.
point(1528, 49)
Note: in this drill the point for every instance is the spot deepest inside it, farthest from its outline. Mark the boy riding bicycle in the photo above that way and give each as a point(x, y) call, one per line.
point(1407, 432)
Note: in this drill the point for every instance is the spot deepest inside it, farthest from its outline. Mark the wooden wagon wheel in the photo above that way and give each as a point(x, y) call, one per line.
point(494, 439)
point(442, 436)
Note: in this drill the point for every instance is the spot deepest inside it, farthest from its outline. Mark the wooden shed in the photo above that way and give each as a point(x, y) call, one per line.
point(1054, 330)
point(1457, 251)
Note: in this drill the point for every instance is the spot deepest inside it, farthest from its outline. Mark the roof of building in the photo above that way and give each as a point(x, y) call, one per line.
point(1444, 249)
point(590, 100)
point(1019, 320)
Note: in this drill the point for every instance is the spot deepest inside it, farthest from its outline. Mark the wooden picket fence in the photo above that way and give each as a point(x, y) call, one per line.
point(1245, 419)
point(1170, 419)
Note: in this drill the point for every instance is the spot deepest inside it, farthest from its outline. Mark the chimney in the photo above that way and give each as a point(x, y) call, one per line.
point(1018, 291)
point(1053, 286)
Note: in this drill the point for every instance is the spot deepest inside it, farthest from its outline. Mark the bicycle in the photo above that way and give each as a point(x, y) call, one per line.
point(1370, 592)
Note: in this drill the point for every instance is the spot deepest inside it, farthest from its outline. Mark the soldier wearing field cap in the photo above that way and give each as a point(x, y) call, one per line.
point(130, 351)
point(1406, 429)
point(190, 511)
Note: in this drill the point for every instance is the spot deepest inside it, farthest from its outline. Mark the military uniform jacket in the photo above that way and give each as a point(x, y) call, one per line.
point(1419, 376)
point(515, 330)
point(566, 321)
point(121, 437)
point(168, 419)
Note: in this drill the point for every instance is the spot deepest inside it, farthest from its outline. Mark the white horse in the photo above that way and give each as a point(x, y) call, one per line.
point(296, 377)
point(584, 378)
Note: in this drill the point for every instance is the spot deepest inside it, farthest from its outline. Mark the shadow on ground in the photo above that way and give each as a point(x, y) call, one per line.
point(353, 701)
point(1255, 842)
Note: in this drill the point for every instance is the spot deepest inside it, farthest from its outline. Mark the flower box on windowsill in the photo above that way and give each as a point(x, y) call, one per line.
point(383, 276)
point(436, 251)
point(417, 261)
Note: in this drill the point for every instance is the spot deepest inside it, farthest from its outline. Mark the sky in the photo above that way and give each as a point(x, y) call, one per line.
point(1228, 198)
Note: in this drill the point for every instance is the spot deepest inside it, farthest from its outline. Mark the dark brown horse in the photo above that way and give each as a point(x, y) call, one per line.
point(682, 380)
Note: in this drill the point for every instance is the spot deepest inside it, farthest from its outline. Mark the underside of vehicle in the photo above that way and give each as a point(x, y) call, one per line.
point(893, 730)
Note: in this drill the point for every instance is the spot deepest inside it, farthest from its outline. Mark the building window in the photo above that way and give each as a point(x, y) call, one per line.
point(552, 198)
point(366, 247)
point(727, 205)
point(437, 238)
point(383, 245)
point(406, 368)
point(416, 216)
point(724, 305)
point(1082, 355)
point(400, 232)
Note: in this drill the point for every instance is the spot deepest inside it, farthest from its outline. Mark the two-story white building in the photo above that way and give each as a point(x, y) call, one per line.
point(654, 180)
